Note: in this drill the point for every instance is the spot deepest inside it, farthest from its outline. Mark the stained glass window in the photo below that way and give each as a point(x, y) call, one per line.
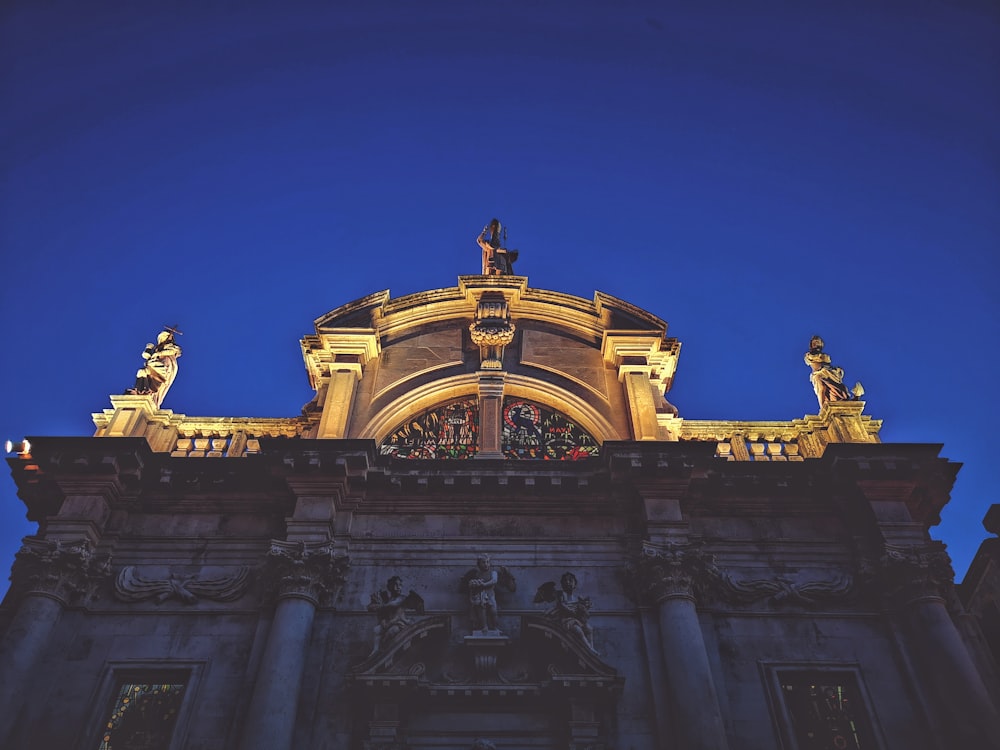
point(142, 716)
point(826, 710)
point(448, 431)
point(531, 430)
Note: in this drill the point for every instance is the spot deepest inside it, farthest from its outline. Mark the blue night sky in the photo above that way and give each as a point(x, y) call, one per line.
point(753, 173)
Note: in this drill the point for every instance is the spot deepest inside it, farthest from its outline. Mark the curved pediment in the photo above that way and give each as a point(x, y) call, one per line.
point(383, 368)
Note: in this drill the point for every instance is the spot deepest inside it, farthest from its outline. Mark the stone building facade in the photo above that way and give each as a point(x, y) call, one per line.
point(489, 529)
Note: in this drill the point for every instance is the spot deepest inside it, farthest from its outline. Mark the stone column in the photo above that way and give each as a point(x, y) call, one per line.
point(47, 576)
point(666, 577)
point(305, 575)
point(914, 579)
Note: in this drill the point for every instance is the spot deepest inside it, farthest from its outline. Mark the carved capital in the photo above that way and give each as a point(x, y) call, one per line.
point(912, 572)
point(314, 572)
point(673, 571)
point(66, 571)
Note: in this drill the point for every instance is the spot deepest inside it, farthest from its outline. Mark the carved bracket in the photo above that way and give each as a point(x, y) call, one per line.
point(492, 329)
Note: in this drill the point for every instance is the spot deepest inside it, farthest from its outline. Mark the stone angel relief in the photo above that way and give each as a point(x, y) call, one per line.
point(390, 607)
point(572, 612)
point(480, 584)
point(131, 587)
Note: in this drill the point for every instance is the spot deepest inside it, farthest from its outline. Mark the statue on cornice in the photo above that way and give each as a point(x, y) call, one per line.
point(572, 612)
point(828, 379)
point(390, 607)
point(156, 376)
point(497, 260)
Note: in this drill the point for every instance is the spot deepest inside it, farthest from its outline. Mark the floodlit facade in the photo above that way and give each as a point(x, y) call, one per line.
point(489, 529)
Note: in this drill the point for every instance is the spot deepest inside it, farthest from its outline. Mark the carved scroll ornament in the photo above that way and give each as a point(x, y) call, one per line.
point(132, 587)
point(784, 590)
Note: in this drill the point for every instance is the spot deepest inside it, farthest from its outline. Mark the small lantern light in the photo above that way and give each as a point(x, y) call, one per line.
point(22, 449)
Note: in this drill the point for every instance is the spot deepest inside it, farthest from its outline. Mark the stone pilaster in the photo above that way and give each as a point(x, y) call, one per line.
point(491, 385)
point(335, 361)
point(667, 578)
point(47, 576)
point(645, 370)
point(303, 577)
point(915, 582)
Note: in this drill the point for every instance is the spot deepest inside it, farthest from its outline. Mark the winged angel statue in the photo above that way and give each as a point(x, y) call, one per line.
point(571, 611)
point(390, 607)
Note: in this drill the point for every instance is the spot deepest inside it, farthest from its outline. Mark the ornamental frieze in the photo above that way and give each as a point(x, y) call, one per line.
point(312, 571)
point(67, 571)
point(785, 590)
point(130, 586)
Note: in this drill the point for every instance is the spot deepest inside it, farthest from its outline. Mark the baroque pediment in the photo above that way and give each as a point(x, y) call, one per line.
point(540, 659)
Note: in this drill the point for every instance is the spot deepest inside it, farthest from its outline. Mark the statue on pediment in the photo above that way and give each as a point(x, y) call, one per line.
point(828, 379)
point(390, 607)
point(157, 375)
point(481, 584)
point(571, 611)
point(497, 260)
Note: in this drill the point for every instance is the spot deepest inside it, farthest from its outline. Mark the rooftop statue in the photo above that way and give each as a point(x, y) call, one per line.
point(156, 376)
point(828, 379)
point(497, 260)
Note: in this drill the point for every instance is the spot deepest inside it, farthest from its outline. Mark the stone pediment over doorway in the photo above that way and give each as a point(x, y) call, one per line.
point(428, 688)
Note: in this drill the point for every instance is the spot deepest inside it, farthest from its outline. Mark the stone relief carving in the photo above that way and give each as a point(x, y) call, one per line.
point(571, 611)
point(312, 571)
point(780, 589)
point(157, 375)
point(67, 571)
point(480, 584)
point(828, 379)
point(390, 607)
point(132, 587)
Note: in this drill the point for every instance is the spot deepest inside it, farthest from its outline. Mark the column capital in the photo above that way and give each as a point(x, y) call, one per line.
point(310, 571)
point(68, 572)
point(672, 571)
point(912, 573)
